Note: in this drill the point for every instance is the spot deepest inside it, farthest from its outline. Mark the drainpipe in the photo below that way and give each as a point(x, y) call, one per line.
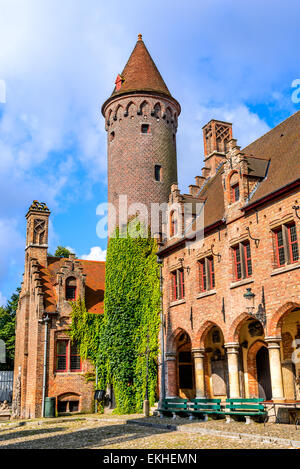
point(45, 320)
point(162, 335)
point(96, 403)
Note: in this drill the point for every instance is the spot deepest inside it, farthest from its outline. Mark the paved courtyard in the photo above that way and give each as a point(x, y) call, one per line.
point(118, 432)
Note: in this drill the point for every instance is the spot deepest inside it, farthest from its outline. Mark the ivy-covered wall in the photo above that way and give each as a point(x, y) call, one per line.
point(116, 342)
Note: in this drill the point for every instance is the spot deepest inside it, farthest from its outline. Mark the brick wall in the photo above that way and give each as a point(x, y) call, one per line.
point(132, 155)
point(281, 285)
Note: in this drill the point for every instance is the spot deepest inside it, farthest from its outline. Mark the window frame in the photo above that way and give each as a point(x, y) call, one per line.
point(69, 287)
point(207, 279)
point(242, 265)
point(291, 243)
point(158, 168)
point(234, 198)
point(74, 370)
point(147, 127)
point(178, 287)
point(286, 246)
point(280, 247)
point(57, 355)
point(68, 356)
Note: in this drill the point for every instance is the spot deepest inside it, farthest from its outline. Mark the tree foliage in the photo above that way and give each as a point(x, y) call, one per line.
point(7, 329)
point(61, 251)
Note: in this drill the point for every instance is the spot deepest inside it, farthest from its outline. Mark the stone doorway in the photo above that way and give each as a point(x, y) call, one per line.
point(185, 367)
point(263, 374)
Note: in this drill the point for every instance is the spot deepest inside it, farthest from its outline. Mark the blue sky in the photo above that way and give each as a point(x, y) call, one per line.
point(226, 59)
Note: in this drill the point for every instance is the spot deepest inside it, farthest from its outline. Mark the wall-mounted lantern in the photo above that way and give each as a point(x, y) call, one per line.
point(249, 300)
point(188, 269)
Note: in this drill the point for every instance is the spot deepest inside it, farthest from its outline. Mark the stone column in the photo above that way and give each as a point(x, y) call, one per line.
point(171, 374)
point(275, 367)
point(232, 350)
point(198, 356)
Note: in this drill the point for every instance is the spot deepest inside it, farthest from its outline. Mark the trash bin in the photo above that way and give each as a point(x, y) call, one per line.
point(50, 403)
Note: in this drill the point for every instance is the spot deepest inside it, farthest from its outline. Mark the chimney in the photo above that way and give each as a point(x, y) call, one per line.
point(216, 136)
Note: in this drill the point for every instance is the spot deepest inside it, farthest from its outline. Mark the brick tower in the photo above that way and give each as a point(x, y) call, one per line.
point(141, 123)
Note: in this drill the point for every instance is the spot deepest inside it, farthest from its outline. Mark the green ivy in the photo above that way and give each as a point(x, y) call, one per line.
point(85, 330)
point(132, 306)
point(116, 342)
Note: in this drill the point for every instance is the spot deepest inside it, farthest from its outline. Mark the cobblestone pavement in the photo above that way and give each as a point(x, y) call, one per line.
point(114, 433)
point(269, 429)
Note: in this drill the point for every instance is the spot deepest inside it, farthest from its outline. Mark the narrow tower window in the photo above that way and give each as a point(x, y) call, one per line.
point(157, 172)
point(111, 136)
point(145, 128)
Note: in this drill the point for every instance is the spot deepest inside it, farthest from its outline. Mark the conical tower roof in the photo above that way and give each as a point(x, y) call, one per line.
point(140, 75)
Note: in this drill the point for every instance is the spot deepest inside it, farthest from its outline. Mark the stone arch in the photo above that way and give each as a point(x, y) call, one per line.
point(144, 108)
point(180, 369)
point(130, 109)
point(118, 112)
point(108, 116)
point(157, 112)
point(251, 367)
point(68, 402)
point(210, 338)
point(275, 323)
point(203, 331)
point(172, 339)
point(169, 114)
point(71, 287)
point(235, 327)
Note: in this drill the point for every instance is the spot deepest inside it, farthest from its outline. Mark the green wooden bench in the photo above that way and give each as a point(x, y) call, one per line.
point(245, 408)
point(202, 407)
point(173, 405)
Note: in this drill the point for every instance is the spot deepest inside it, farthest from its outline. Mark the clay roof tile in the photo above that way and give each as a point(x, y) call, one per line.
point(140, 73)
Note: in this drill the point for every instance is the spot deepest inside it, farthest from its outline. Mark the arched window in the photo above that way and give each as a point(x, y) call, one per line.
point(173, 223)
point(234, 188)
point(71, 288)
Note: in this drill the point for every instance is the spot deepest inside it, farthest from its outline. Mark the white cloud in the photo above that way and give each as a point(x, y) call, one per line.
point(11, 247)
point(59, 61)
point(96, 254)
point(3, 300)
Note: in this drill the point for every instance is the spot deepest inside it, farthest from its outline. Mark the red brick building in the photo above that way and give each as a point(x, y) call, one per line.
point(43, 320)
point(231, 301)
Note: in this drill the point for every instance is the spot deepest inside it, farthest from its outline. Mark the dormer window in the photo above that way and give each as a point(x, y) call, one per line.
point(119, 81)
point(71, 289)
point(235, 192)
point(234, 188)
